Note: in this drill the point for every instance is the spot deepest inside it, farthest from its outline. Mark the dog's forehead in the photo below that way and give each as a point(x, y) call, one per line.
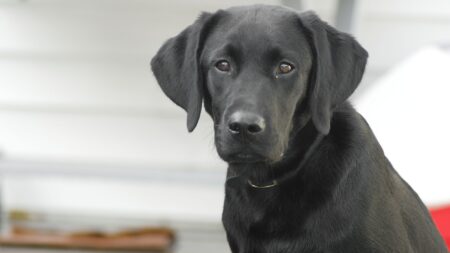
point(261, 13)
point(260, 28)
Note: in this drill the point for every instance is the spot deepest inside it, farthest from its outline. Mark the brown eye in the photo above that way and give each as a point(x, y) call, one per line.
point(223, 66)
point(285, 68)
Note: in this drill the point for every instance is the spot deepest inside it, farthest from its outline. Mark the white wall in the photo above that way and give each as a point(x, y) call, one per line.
point(407, 109)
point(77, 97)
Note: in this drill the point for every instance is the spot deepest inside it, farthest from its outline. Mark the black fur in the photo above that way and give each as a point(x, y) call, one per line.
point(335, 190)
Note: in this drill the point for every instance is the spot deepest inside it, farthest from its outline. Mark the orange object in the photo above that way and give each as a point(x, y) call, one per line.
point(151, 239)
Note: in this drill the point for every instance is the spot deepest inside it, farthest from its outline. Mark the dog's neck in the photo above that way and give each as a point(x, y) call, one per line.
point(304, 139)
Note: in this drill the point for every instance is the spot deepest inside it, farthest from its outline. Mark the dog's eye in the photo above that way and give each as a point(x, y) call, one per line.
point(285, 68)
point(223, 66)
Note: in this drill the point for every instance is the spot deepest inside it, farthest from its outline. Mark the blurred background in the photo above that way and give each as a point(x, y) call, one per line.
point(87, 138)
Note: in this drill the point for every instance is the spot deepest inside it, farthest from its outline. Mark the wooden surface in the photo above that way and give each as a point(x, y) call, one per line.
point(153, 240)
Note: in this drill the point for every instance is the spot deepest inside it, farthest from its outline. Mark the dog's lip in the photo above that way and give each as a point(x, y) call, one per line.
point(242, 157)
point(245, 156)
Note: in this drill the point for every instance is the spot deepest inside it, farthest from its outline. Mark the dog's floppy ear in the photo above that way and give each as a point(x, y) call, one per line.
point(338, 65)
point(177, 69)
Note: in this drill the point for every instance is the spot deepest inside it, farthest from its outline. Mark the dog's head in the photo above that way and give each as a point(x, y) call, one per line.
point(261, 71)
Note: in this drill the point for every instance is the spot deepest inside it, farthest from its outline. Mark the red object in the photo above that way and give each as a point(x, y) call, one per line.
point(441, 217)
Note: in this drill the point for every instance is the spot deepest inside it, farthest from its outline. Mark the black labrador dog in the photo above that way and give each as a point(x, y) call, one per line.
point(306, 173)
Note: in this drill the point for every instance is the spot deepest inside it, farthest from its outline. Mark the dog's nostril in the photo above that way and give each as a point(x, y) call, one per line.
point(246, 123)
point(254, 128)
point(234, 127)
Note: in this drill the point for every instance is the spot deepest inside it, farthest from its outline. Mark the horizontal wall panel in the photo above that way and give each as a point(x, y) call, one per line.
point(85, 83)
point(77, 196)
point(109, 139)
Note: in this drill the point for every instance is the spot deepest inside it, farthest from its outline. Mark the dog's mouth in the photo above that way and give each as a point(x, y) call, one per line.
point(233, 151)
point(243, 157)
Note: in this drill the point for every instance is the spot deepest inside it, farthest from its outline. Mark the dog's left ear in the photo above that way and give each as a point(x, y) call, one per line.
point(338, 66)
point(177, 68)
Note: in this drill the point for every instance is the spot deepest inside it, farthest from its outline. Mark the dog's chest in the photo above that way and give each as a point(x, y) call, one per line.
point(255, 220)
point(248, 210)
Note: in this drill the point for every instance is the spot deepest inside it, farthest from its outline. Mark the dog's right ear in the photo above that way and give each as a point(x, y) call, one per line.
point(177, 68)
point(338, 66)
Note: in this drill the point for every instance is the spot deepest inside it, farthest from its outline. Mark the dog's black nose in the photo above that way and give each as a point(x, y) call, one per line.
point(246, 122)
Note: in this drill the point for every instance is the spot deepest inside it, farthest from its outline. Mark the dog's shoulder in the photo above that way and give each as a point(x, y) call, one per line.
point(350, 134)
